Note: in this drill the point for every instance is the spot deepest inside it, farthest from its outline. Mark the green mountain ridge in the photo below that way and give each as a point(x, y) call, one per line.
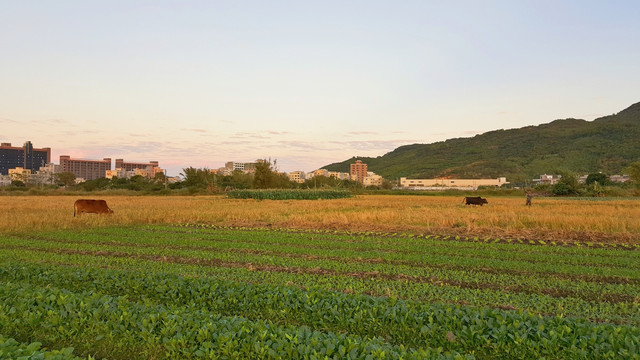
point(607, 144)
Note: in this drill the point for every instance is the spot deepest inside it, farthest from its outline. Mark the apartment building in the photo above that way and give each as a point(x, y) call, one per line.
point(148, 170)
point(85, 169)
point(26, 157)
point(372, 180)
point(20, 174)
point(358, 171)
point(339, 175)
point(297, 176)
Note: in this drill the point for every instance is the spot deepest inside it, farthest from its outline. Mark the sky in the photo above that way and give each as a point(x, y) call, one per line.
point(306, 83)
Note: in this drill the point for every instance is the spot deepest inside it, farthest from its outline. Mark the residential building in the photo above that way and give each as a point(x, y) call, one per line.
point(20, 174)
point(372, 180)
point(85, 169)
point(619, 178)
point(546, 179)
point(5, 180)
point(358, 171)
point(26, 157)
point(297, 176)
point(451, 183)
point(119, 173)
point(321, 172)
point(231, 166)
point(148, 170)
point(339, 175)
point(46, 174)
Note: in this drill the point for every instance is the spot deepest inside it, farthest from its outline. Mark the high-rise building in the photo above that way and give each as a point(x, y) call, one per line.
point(85, 169)
point(358, 171)
point(26, 157)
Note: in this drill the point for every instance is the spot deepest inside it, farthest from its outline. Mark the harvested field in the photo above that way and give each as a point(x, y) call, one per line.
point(550, 219)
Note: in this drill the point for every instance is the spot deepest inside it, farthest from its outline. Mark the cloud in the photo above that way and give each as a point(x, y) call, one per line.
point(8, 121)
point(195, 130)
point(51, 122)
point(302, 145)
point(249, 135)
point(279, 132)
point(362, 133)
point(68, 133)
point(374, 145)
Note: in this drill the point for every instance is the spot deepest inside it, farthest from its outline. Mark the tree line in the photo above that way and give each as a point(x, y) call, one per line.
point(266, 176)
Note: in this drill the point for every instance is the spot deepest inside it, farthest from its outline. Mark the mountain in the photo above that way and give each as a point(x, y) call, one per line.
point(607, 144)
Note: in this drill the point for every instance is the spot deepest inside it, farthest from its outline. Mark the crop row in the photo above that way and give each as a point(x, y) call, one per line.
point(590, 244)
point(602, 262)
point(11, 349)
point(482, 332)
point(450, 279)
point(589, 291)
point(537, 303)
point(429, 269)
point(113, 326)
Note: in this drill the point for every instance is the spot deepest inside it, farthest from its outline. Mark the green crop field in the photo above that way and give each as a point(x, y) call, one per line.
point(195, 291)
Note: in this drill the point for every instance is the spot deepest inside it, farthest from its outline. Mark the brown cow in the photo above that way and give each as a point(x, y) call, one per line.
point(91, 207)
point(474, 200)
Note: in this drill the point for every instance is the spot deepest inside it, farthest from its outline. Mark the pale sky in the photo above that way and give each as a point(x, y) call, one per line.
point(199, 83)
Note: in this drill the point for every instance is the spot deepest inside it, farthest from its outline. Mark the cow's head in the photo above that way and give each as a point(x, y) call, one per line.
point(484, 201)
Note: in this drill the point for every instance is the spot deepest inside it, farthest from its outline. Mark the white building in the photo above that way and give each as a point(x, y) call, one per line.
point(546, 179)
point(340, 175)
point(372, 180)
point(451, 183)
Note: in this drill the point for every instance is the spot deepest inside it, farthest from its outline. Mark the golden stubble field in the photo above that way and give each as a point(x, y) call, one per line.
point(557, 219)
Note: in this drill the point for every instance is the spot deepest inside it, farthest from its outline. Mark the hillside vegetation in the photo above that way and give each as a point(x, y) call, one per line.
point(607, 145)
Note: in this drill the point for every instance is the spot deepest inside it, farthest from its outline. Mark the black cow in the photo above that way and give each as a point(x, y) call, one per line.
point(474, 200)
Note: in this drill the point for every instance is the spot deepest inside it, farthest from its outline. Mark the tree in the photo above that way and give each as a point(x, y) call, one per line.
point(160, 177)
point(198, 178)
point(599, 178)
point(633, 171)
point(66, 179)
point(263, 176)
point(567, 185)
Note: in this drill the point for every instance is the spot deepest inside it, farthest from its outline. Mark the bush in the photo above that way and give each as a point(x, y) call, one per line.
point(561, 189)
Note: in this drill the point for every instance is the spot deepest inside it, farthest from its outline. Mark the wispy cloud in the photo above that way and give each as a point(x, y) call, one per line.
point(377, 145)
point(363, 133)
point(249, 135)
point(79, 132)
point(279, 132)
point(195, 130)
point(56, 122)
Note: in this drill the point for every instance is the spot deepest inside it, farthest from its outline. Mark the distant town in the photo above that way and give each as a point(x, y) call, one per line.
point(31, 165)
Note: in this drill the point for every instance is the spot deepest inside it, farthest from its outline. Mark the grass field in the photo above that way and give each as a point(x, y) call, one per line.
point(369, 277)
